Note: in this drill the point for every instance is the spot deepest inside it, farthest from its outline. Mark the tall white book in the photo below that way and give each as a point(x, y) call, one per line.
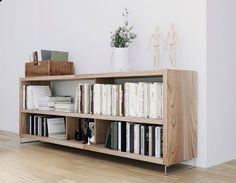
point(119, 136)
point(137, 138)
point(115, 100)
point(127, 137)
point(158, 141)
point(108, 99)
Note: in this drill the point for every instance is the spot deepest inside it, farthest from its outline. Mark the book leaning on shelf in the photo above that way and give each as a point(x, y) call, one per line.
point(46, 126)
point(140, 139)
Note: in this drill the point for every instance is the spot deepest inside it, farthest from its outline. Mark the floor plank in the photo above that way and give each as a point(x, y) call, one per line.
point(47, 163)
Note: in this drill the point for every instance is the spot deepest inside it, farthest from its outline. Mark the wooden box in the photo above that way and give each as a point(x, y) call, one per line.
point(49, 68)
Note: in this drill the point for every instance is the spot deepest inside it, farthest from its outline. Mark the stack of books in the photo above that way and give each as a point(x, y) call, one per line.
point(48, 102)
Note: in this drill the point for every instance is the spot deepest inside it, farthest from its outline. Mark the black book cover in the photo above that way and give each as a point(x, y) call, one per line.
point(108, 138)
point(153, 141)
point(112, 135)
point(123, 136)
point(115, 135)
point(132, 138)
point(146, 152)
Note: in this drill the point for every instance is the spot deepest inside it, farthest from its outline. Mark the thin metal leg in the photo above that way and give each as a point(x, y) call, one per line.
point(165, 170)
point(25, 142)
point(188, 167)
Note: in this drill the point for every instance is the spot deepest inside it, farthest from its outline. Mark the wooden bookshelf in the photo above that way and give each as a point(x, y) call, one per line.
point(179, 114)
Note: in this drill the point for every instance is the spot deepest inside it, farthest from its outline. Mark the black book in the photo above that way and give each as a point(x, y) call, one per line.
point(115, 135)
point(123, 136)
point(112, 135)
point(146, 150)
point(153, 141)
point(108, 138)
point(132, 138)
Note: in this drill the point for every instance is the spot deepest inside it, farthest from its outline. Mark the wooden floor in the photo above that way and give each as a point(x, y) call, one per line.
point(41, 162)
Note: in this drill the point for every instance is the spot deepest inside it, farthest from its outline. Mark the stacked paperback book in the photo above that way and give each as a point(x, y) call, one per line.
point(135, 138)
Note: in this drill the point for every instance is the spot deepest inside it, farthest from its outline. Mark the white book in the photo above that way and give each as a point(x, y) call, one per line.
point(150, 142)
point(127, 137)
point(142, 140)
point(56, 128)
point(39, 126)
point(78, 99)
point(104, 100)
point(115, 100)
point(24, 97)
point(137, 138)
point(126, 99)
point(120, 93)
point(159, 96)
point(153, 100)
point(158, 141)
point(146, 100)
point(108, 99)
point(86, 98)
point(119, 136)
point(36, 92)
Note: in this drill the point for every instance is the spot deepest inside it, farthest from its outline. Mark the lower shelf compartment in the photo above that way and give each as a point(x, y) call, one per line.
point(95, 148)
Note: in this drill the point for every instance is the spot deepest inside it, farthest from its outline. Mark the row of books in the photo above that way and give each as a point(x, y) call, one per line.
point(135, 138)
point(141, 99)
point(46, 126)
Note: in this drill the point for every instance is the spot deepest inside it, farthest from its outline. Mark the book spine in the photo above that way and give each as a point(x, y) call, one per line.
point(119, 136)
point(127, 137)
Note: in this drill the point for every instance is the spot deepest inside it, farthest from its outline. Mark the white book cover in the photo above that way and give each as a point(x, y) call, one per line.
point(115, 100)
point(24, 97)
point(137, 138)
point(136, 101)
point(37, 92)
point(150, 140)
point(158, 141)
point(39, 125)
point(146, 100)
point(56, 128)
point(95, 98)
point(104, 99)
point(159, 99)
point(120, 93)
point(109, 99)
point(126, 99)
point(153, 100)
point(86, 98)
point(119, 136)
point(77, 98)
point(127, 137)
point(142, 139)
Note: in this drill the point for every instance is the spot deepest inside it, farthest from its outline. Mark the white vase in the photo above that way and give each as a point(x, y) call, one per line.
point(120, 60)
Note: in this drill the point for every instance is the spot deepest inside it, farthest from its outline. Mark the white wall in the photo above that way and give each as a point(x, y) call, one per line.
point(221, 80)
point(83, 28)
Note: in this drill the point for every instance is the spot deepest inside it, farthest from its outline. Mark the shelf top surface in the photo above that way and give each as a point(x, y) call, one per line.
point(132, 74)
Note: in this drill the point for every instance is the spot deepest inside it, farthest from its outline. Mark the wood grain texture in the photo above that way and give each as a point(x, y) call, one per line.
point(179, 114)
point(180, 118)
point(71, 126)
point(48, 163)
point(101, 129)
point(95, 116)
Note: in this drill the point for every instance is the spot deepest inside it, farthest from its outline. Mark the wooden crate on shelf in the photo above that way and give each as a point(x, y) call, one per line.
point(49, 68)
